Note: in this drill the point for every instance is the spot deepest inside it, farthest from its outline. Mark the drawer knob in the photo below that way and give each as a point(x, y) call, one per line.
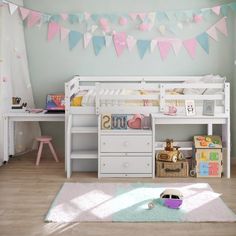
point(104, 164)
point(125, 143)
point(126, 164)
point(103, 143)
point(148, 143)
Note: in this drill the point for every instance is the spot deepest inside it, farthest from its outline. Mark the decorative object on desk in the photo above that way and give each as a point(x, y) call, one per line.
point(16, 100)
point(17, 106)
point(119, 122)
point(208, 156)
point(190, 107)
point(208, 108)
point(136, 121)
point(146, 122)
point(55, 102)
point(171, 153)
point(172, 198)
point(172, 110)
point(106, 121)
point(128, 202)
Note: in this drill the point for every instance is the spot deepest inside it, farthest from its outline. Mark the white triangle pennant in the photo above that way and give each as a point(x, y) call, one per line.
point(152, 16)
point(176, 45)
point(108, 39)
point(153, 45)
point(131, 41)
point(93, 28)
point(87, 39)
point(12, 8)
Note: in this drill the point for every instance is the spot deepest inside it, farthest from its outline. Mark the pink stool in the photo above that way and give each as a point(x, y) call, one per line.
point(45, 140)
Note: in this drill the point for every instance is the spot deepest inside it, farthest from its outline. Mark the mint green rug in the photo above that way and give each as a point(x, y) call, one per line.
point(121, 202)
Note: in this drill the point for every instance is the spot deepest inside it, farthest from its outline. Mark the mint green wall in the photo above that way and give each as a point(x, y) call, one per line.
point(51, 64)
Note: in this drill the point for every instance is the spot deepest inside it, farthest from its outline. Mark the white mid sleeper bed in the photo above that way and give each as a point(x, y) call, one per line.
point(87, 98)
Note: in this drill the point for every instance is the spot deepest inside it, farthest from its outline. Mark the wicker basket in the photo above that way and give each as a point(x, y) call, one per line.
point(171, 169)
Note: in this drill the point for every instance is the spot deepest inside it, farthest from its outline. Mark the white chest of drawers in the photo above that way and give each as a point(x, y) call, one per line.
point(125, 153)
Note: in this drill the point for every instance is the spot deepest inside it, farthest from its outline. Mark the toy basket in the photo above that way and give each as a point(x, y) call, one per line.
point(171, 169)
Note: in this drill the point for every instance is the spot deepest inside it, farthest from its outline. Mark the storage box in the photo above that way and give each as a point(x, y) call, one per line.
point(172, 169)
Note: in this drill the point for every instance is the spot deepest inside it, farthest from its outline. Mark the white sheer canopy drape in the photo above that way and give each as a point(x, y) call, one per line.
point(14, 78)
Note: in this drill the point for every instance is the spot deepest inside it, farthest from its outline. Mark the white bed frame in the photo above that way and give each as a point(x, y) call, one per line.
point(85, 121)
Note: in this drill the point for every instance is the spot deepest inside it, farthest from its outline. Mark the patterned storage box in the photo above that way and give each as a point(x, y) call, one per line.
point(208, 156)
point(172, 169)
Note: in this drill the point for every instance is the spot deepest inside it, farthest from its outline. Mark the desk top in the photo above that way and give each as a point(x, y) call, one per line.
point(41, 116)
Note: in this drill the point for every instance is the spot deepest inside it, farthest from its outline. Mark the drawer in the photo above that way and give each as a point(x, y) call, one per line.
point(124, 165)
point(128, 143)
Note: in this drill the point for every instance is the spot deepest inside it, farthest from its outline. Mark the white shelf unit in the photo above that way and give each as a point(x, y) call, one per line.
point(81, 139)
point(124, 153)
point(221, 119)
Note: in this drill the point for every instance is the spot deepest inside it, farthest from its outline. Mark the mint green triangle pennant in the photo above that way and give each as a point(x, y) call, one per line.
point(74, 38)
point(143, 46)
point(98, 43)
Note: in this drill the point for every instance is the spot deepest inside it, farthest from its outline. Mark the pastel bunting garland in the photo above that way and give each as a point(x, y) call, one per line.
point(121, 40)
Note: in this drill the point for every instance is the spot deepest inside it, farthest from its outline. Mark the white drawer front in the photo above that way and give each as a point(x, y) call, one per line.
point(120, 143)
point(123, 165)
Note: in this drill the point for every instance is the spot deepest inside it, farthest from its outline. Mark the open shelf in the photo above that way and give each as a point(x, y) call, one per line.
point(84, 130)
point(84, 154)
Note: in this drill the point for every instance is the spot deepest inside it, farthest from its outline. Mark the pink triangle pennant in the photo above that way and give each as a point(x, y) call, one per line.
point(164, 47)
point(87, 39)
point(53, 30)
point(33, 18)
point(216, 10)
point(119, 42)
point(212, 33)
point(142, 15)
point(133, 16)
point(191, 45)
point(64, 33)
point(12, 8)
point(222, 26)
point(131, 41)
point(176, 45)
point(24, 12)
point(64, 16)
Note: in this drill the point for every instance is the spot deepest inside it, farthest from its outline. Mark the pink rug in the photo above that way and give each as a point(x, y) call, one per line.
point(120, 202)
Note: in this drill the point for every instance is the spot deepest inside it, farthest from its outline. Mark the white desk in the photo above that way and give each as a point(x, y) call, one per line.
point(223, 120)
point(12, 117)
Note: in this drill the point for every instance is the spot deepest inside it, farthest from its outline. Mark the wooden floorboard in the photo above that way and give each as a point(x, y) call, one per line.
point(26, 192)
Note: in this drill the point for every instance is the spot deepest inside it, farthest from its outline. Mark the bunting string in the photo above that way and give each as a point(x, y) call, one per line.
point(121, 40)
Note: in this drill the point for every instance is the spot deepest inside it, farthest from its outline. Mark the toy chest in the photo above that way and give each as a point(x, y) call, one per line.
point(208, 156)
point(172, 169)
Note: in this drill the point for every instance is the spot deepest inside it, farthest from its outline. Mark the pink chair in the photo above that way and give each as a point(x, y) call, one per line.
point(45, 140)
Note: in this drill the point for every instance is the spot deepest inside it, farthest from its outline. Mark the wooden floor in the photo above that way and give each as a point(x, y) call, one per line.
point(26, 192)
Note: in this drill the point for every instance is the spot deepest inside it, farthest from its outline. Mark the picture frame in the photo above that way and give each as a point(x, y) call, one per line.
point(208, 108)
point(190, 107)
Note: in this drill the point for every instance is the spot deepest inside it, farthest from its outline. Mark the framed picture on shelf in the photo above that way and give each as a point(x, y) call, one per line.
point(208, 107)
point(190, 108)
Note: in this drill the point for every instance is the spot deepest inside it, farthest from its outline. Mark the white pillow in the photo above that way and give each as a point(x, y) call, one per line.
point(213, 79)
point(197, 91)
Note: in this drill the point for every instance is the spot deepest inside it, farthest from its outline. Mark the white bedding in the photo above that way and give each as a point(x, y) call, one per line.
point(89, 96)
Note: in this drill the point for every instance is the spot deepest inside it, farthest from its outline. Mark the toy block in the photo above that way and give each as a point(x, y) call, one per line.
point(106, 121)
point(119, 122)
